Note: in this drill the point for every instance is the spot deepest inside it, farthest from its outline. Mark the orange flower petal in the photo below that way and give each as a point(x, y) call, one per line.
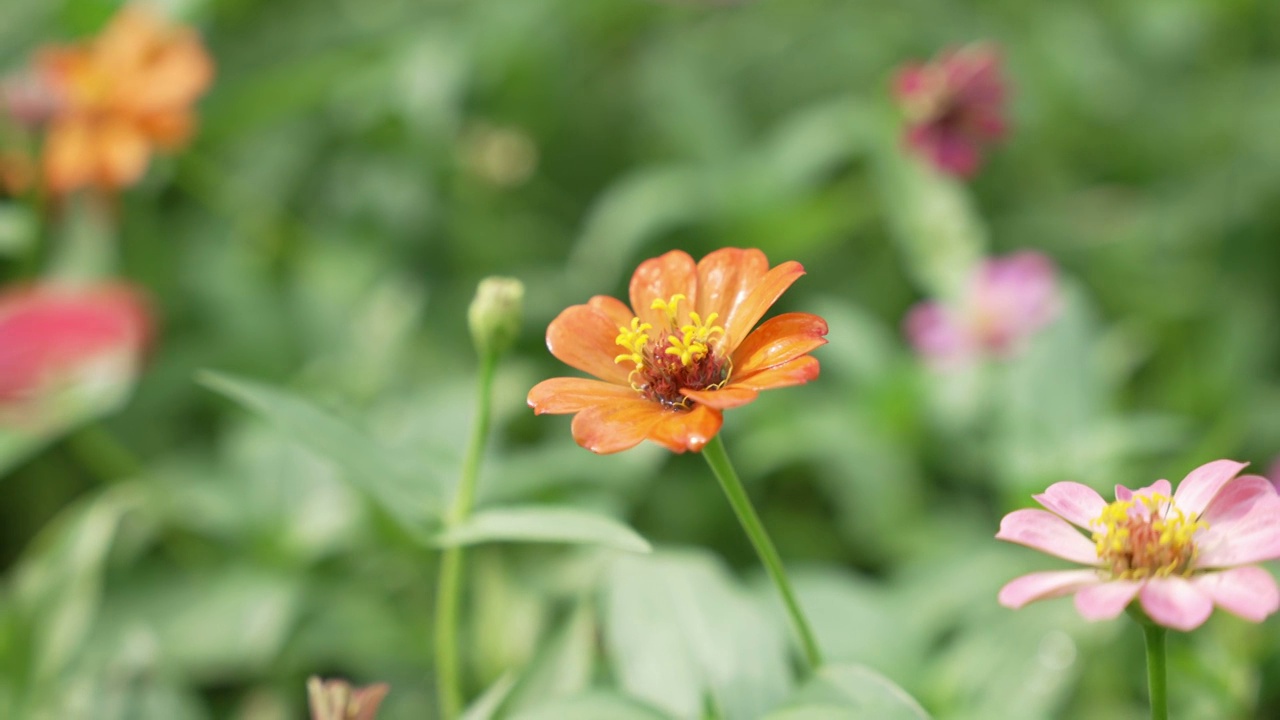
point(780, 339)
point(617, 310)
point(796, 372)
point(725, 280)
point(123, 153)
point(739, 320)
point(169, 130)
point(176, 73)
point(616, 425)
point(722, 399)
point(68, 156)
point(584, 337)
point(658, 279)
point(680, 431)
point(566, 395)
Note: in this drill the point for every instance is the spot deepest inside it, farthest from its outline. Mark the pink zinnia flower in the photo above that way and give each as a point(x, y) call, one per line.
point(53, 337)
point(953, 106)
point(1006, 300)
point(1178, 554)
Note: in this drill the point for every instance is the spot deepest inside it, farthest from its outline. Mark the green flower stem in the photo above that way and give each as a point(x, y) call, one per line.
point(1157, 678)
point(718, 459)
point(449, 587)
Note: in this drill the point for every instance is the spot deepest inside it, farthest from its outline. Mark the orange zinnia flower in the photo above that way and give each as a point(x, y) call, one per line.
point(117, 97)
point(687, 352)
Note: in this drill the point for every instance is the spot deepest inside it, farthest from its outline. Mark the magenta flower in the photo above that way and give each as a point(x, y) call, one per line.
point(1178, 555)
point(1005, 301)
point(953, 106)
point(57, 336)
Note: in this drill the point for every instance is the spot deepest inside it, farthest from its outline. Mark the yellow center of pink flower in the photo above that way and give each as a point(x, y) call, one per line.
point(1146, 536)
point(681, 356)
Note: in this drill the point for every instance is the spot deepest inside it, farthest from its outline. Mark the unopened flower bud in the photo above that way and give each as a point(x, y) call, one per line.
point(494, 315)
point(337, 700)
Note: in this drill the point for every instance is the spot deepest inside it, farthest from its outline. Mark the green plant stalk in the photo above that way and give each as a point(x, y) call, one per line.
point(1157, 677)
point(718, 459)
point(449, 587)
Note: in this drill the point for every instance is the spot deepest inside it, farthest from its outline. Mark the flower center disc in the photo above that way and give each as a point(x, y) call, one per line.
point(680, 358)
point(1146, 536)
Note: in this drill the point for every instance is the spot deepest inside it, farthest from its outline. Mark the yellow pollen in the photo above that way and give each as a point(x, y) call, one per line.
point(633, 340)
point(668, 307)
point(1146, 536)
point(686, 349)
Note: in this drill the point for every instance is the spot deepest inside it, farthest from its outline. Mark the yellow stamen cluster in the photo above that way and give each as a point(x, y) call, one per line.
point(668, 307)
point(634, 340)
point(696, 336)
point(690, 345)
point(1155, 539)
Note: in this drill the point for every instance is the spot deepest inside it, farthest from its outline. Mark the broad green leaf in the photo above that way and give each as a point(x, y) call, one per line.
point(486, 706)
point(679, 630)
point(209, 623)
point(544, 524)
point(851, 692)
point(58, 588)
point(593, 705)
point(564, 664)
point(635, 210)
point(932, 217)
point(410, 495)
point(18, 228)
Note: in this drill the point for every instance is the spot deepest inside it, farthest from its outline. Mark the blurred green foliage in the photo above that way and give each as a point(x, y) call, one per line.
point(363, 163)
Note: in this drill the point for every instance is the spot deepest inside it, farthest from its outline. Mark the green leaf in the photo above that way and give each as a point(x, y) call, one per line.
point(564, 664)
point(593, 705)
point(58, 587)
point(411, 495)
point(546, 524)
point(851, 692)
point(18, 228)
point(933, 219)
point(680, 631)
point(486, 706)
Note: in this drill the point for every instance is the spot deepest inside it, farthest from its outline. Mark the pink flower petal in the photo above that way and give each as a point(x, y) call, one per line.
point(1242, 539)
point(1044, 585)
point(1013, 296)
point(936, 334)
point(1249, 592)
point(1159, 487)
point(1237, 498)
point(1106, 600)
point(1176, 602)
point(1197, 489)
point(1078, 504)
point(1048, 533)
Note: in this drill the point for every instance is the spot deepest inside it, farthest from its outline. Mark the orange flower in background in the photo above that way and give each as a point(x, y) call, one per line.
point(118, 97)
point(669, 365)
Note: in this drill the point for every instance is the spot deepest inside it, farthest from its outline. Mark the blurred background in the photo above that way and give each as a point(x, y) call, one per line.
point(361, 164)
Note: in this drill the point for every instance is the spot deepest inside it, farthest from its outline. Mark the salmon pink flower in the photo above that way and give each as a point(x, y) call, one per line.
point(953, 106)
point(117, 97)
point(681, 354)
point(1005, 300)
point(55, 337)
point(1178, 554)
point(338, 700)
